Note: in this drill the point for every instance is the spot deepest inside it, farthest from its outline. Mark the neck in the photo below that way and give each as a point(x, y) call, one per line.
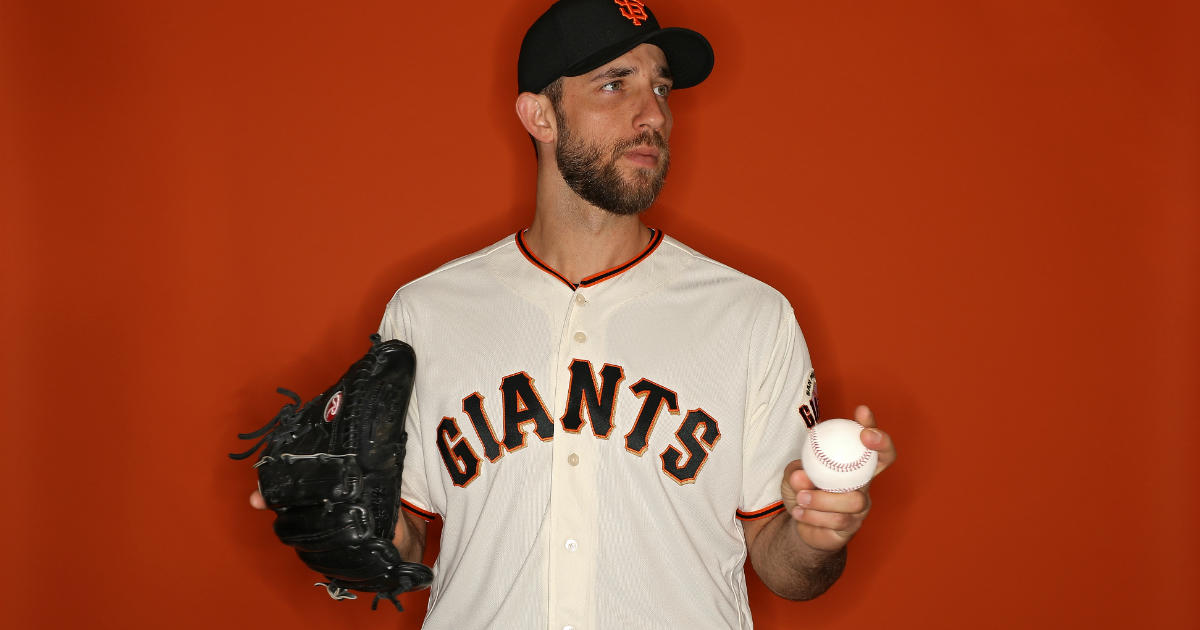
point(578, 239)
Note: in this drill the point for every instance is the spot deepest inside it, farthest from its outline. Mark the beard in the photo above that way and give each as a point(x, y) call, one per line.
point(591, 171)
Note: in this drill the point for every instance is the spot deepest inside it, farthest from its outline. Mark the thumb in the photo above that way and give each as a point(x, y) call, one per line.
point(795, 479)
point(256, 500)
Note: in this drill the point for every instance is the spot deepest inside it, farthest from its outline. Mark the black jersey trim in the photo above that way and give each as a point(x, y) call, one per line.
point(757, 514)
point(656, 237)
point(536, 261)
point(429, 516)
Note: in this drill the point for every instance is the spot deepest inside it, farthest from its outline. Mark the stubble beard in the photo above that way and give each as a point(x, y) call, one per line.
point(591, 171)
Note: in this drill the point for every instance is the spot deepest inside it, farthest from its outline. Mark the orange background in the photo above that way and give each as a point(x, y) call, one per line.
point(985, 214)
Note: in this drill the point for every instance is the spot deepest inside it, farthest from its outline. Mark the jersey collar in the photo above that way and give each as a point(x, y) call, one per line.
point(656, 237)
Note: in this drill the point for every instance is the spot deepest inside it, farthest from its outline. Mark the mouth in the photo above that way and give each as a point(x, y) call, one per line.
point(645, 157)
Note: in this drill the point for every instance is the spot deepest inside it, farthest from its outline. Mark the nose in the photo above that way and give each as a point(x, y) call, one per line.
point(652, 112)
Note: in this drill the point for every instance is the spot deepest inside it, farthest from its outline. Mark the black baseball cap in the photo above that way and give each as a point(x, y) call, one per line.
point(576, 36)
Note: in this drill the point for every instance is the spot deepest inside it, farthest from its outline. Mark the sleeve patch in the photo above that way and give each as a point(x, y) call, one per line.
point(809, 409)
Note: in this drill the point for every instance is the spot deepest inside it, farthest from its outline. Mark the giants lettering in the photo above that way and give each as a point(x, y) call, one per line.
point(599, 406)
point(473, 407)
point(697, 454)
point(654, 396)
point(810, 418)
point(523, 406)
point(460, 460)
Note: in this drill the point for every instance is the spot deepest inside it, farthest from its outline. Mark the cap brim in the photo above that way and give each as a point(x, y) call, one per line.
point(689, 55)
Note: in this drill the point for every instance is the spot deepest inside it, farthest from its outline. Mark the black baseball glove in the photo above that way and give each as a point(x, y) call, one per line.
point(330, 470)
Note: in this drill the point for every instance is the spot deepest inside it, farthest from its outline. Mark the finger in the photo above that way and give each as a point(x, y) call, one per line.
point(864, 416)
point(791, 467)
point(878, 440)
point(799, 481)
point(857, 502)
point(256, 500)
point(822, 537)
point(845, 524)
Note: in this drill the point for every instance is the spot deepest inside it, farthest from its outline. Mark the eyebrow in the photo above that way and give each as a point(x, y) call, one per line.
point(618, 72)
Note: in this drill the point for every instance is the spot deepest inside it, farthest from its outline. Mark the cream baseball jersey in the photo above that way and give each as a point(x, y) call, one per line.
point(592, 449)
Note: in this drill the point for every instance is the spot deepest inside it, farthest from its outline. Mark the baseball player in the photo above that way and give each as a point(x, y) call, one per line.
point(607, 421)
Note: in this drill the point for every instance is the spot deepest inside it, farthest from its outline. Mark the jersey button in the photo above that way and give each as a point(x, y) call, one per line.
point(579, 299)
point(573, 459)
point(580, 337)
point(572, 544)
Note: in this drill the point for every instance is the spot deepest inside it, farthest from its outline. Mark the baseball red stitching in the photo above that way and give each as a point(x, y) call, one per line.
point(834, 465)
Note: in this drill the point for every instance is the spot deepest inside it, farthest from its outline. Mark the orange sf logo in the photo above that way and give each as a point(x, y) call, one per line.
point(635, 10)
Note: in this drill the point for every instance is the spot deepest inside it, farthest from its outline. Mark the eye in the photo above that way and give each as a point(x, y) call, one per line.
point(611, 86)
point(662, 90)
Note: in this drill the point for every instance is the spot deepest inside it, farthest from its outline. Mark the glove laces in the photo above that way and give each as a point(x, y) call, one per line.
point(267, 429)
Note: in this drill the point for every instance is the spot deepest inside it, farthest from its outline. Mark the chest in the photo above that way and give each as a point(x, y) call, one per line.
point(645, 387)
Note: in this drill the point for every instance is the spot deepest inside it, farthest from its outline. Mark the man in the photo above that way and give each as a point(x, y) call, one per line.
point(607, 421)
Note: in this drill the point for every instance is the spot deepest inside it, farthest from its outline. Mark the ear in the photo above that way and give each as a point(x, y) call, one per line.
point(537, 116)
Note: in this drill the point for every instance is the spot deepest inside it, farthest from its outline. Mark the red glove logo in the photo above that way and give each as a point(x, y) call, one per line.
point(332, 407)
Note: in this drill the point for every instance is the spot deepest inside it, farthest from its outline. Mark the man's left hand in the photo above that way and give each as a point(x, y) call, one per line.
point(828, 520)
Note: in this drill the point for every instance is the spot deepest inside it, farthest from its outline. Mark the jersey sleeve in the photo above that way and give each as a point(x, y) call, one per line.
point(414, 485)
point(782, 395)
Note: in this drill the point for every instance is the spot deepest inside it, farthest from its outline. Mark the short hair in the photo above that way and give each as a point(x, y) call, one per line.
point(554, 92)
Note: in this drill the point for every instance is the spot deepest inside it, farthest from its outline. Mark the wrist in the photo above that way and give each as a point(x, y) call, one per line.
point(792, 567)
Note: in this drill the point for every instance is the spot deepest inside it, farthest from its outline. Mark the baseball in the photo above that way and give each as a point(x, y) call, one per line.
point(834, 457)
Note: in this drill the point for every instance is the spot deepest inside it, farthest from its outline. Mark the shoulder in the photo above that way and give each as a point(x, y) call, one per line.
point(457, 274)
point(722, 281)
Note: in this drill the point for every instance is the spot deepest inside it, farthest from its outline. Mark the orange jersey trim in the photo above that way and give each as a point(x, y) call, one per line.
point(656, 237)
point(429, 516)
point(763, 513)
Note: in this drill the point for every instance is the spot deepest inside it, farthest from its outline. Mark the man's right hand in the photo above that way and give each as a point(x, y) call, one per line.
point(407, 526)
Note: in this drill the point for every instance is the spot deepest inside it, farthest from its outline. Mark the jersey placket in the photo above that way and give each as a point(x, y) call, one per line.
point(573, 515)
